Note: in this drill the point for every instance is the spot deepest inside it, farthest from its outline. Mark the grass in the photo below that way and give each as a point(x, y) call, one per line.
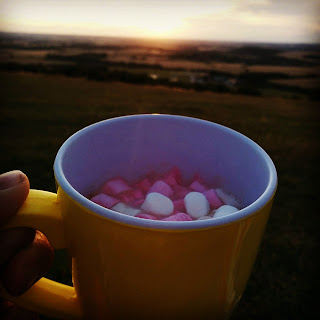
point(183, 76)
point(39, 112)
point(289, 70)
point(302, 82)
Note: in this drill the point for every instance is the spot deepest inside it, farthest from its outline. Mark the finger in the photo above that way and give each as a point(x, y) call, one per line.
point(14, 189)
point(13, 240)
point(28, 265)
point(9, 311)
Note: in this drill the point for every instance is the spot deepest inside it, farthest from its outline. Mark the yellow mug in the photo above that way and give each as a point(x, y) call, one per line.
point(126, 267)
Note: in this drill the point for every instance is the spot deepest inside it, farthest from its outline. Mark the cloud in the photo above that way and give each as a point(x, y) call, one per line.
point(290, 18)
point(263, 20)
point(276, 7)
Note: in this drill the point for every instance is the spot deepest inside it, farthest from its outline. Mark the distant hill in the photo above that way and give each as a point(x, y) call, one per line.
point(248, 68)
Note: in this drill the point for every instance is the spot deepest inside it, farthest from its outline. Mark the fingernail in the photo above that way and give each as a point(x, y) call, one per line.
point(11, 179)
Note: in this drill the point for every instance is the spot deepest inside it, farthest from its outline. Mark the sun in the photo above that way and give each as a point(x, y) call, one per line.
point(158, 27)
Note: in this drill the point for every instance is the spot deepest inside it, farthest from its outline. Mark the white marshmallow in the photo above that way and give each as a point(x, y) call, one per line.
point(125, 209)
point(196, 205)
point(224, 211)
point(158, 204)
point(205, 218)
point(228, 198)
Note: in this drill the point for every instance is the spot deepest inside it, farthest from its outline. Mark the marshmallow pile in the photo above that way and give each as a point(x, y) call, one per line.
point(165, 197)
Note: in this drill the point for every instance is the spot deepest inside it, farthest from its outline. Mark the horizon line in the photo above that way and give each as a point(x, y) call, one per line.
point(156, 39)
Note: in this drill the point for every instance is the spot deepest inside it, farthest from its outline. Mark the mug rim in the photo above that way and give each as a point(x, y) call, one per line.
point(102, 212)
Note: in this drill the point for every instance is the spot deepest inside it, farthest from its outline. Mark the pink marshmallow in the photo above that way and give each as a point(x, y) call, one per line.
point(178, 217)
point(172, 177)
point(179, 205)
point(144, 185)
point(131, 196)
point(137, 203)
point(152, 176)
point(161, 187)
point(146, 216)
point(180, 192)
point(104, 200)
point(115, 186)
point(197, 186)
point(213, 198)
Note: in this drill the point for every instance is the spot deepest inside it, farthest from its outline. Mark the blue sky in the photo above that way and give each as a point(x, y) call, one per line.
point(286, 21)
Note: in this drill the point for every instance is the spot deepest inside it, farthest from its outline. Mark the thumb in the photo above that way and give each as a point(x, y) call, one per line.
point(14, 189)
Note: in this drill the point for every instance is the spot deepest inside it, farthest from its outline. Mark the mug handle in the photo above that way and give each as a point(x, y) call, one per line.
point(41, 211)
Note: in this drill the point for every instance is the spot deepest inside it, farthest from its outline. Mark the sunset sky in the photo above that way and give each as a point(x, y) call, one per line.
point(240, 20)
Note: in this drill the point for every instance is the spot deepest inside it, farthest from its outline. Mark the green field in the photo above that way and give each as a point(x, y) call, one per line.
point(39, 112)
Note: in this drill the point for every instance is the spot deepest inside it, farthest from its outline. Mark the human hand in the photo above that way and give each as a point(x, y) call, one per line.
point(25, 253)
